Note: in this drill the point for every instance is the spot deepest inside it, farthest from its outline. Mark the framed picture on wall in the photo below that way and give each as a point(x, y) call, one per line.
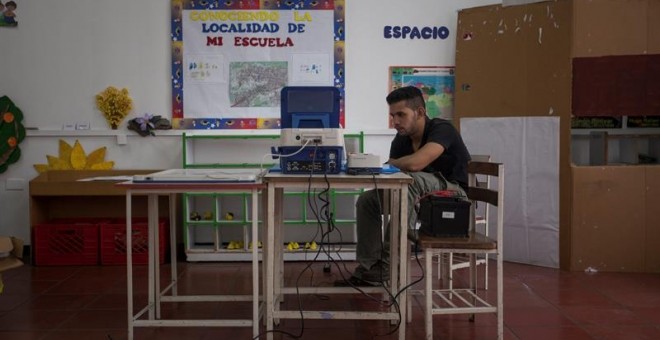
point(436, 83)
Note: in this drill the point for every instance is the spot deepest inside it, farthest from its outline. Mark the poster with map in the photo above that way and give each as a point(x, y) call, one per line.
point(231, 59)
point(436, 83)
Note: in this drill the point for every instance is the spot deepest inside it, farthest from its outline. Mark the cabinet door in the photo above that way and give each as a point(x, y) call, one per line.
point(616, 86)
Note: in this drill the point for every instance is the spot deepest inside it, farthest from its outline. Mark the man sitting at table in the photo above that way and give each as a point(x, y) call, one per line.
point(432, 152)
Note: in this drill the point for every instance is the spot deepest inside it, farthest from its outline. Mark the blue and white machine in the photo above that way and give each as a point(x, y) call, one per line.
point(311, 140)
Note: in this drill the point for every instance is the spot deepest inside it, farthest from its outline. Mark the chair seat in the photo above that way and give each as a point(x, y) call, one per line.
point(474, 240)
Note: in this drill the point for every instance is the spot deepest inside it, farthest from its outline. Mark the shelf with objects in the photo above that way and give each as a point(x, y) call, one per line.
point(216, 226)
point(615, 141)
point(74, 216)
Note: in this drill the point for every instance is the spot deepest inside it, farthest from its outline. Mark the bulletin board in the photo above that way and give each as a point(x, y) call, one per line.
point(230, 59)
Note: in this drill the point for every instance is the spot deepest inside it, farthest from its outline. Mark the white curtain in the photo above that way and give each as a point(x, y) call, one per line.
point(529, 149)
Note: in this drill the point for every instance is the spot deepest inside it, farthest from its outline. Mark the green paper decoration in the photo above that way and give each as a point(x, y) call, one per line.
point(12, 132)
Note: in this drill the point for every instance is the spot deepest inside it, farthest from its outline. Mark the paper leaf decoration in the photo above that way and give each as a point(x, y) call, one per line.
point(97, 156)
point(78, 157)
point(74, 158)
point(65, 150)
point(55, 163)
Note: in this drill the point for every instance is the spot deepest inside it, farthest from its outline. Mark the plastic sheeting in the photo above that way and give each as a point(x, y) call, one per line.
point(529, 149)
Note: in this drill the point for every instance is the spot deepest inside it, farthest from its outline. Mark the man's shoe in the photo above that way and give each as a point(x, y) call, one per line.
point(379, 272)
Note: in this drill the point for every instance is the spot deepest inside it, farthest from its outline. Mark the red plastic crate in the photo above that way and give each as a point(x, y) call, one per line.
point(113, 242)
point(66, 242)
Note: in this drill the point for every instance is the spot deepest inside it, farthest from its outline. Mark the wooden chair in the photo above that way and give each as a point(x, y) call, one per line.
point(467, 300)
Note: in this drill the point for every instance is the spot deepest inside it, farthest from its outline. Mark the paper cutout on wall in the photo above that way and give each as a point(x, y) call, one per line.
point(12, 132)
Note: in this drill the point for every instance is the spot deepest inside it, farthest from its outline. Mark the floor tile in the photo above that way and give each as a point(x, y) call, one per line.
point(22, 335)
point(594, 315)
point(22, 319)
point(96, 319)
point(550, 333)
point(534, 316)
point(60, 302)
point(609, 332)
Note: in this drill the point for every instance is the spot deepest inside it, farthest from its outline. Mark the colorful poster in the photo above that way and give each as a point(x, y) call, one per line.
point(436, 83)
point(231, 59)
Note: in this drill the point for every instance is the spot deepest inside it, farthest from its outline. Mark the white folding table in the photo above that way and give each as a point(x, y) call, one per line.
point(395, 187)
point(156, 296)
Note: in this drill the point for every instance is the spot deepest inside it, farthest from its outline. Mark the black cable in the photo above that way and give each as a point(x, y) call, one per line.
point(323, 214)
point(300, 307)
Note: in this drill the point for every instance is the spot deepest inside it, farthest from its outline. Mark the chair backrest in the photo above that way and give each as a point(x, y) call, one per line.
point(493, 196)
point(481, 211)
point(481, 181)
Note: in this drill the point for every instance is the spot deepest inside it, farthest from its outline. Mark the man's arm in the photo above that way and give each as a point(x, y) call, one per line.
point(420, 159)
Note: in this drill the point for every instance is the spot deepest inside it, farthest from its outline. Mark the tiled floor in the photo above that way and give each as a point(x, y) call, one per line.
point(540, 303)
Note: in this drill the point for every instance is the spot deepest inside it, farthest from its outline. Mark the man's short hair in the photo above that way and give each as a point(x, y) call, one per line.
point(412, 96)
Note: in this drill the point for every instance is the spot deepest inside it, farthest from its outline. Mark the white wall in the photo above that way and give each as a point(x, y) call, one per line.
point(369, 55)
point(64, 52)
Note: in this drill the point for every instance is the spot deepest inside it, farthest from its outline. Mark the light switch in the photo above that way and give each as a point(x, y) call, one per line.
point(121, 139)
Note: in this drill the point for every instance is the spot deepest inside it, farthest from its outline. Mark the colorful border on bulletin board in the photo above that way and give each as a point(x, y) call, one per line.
point(436, 83)
point(179, 121)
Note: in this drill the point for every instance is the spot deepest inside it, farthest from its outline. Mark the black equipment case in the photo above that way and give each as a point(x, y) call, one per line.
point(444, 214)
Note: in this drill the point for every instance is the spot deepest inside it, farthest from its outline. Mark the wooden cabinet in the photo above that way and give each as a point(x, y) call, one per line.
point(615, 225)
point(616, 86)
point(61, 194)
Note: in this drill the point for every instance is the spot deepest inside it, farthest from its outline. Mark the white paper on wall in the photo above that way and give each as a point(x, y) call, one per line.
point(529, 149)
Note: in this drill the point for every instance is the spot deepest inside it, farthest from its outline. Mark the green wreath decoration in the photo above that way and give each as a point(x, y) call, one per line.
point(12, 132)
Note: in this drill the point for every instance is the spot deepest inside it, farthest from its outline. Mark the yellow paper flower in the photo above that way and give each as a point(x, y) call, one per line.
point(115, 104)
point(75, 158)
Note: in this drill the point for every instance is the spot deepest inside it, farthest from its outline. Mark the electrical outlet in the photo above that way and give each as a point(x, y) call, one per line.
point(17, 184)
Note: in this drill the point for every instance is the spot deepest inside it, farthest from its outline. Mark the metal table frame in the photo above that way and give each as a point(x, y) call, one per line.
point(157, 296)
point(396, 193)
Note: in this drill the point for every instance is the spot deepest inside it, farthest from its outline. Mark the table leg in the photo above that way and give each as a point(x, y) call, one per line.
point(395, 227)
point(173, 254)
point(270, 242)
point(255, 262)
point(129, 264)
point(279, 251)
point(403, 258)
point(154, 263)
point(264, 251)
